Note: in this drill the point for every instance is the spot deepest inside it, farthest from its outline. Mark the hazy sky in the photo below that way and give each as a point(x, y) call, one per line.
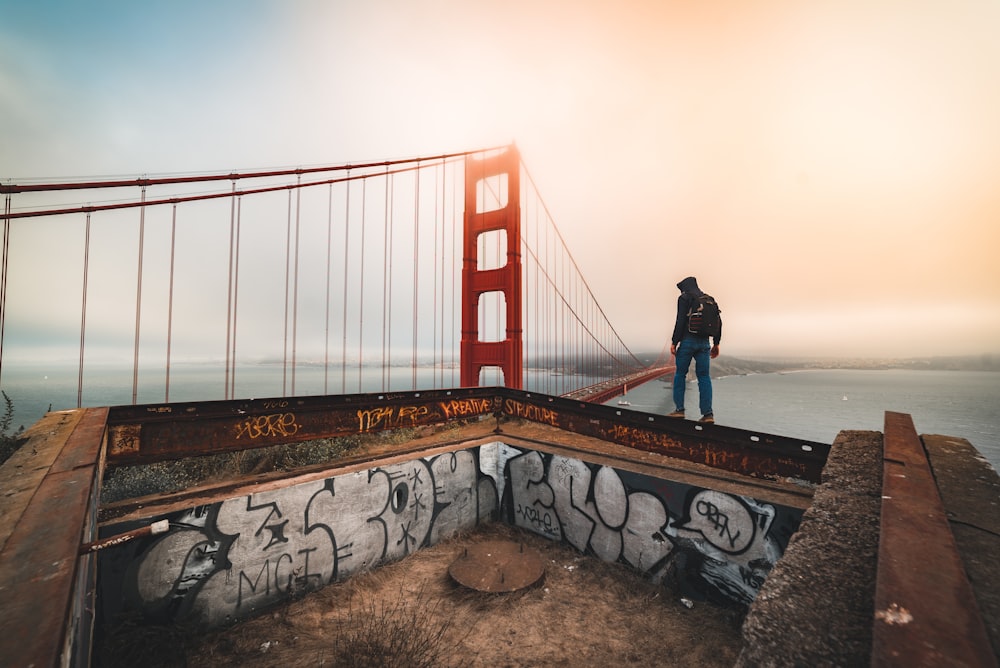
point(829, 170)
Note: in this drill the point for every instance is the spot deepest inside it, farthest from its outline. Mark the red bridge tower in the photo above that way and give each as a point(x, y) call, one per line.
point(490, 173)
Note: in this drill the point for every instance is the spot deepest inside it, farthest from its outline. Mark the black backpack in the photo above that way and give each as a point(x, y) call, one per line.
point(703, 316)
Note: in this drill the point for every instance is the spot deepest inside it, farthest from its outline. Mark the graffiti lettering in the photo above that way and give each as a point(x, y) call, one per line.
point(126, 439)
point(282, 577)
point(641, 438)
point(263, 426)
point(539, 520)
point(458, 407)
point(726, 523)
point(275, 403)
point(718, 519)
point(389, 417)
point(371, 418)
point(265, 572)
point(530, 412)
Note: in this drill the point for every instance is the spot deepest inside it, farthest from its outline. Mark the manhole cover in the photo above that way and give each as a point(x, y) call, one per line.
point(497, 566)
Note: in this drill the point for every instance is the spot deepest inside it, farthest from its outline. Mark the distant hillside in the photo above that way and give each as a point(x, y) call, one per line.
point(725, 365)
point(730, 366)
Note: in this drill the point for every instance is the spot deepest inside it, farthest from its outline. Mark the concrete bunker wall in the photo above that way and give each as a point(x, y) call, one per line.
point(229, 559)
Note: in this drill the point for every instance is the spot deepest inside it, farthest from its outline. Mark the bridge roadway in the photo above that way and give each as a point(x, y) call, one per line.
point(893, 564)
point(598, 393)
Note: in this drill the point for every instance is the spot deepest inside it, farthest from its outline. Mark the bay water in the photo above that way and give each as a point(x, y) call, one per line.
point(817, 404)
point(812, 404)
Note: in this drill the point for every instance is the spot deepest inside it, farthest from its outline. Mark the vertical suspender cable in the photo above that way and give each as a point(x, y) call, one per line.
point(229, 288)
point(170, 298)
point(539, 328)
point(295, 289)
point(361, 288)
point(236, 293)
point(387, 261)
point(554, 314)
point(567, 337)
point(547, 309)
point(501, 304)
point(559, 321)
point(326, 302)
point(3, 274)
point(578, 325)
point(577, 342)
point(83, 310)
point(388, 304)
point(416, 270)
point(455, 268)
point(536, 325)
point(440, 262)
point(347, 239)
point(138, 298)
point(435, 315)
point(288, 267)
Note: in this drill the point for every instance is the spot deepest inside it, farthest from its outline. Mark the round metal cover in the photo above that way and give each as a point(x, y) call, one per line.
point(497, 566)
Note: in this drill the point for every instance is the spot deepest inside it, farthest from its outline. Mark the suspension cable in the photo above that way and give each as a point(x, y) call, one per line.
point(347, 239)
point(170, 298)
point(138, 298)
point(83, 311)
point(229, 291)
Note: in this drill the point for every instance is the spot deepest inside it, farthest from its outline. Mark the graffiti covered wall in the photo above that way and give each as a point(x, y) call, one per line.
point(723, 545)
point(227, 560)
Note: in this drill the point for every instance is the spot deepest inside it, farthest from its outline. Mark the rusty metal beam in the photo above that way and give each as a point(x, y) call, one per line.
point(925, 610)
point(158, 432)
point(47, 610)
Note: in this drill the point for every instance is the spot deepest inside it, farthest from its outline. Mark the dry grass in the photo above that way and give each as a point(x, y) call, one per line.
point(128, 482)
point(410, 613)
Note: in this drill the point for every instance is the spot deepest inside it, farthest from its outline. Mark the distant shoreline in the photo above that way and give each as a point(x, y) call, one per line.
point(734, 366)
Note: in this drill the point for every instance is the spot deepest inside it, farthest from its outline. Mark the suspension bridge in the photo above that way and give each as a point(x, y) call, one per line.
point(422, 273)
point(435, 297)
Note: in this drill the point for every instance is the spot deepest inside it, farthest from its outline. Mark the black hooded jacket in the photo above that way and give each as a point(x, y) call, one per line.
point(688, 298)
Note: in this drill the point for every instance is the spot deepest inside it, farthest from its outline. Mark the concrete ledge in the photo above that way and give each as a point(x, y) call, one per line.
point(816, 606)
point(970, 493)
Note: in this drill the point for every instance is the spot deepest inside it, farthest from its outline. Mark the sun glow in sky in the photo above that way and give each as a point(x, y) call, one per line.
point(829, 170)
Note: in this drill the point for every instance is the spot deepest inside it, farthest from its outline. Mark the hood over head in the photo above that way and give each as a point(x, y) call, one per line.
point(689, 284)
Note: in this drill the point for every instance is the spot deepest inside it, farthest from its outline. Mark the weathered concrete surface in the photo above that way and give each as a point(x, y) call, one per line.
point(817, 605)
point(970, 492)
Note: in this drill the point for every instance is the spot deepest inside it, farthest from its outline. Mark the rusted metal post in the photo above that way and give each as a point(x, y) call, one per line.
point(925, 610)
point(161, 526)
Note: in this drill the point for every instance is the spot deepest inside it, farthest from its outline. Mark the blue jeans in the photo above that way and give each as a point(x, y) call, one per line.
point(697, 349)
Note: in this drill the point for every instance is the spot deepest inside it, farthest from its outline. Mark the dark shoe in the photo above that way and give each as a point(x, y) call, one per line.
point(677, 414)
point(708, 419)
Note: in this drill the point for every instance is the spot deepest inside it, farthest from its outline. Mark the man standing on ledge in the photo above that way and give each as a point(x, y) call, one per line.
point(690, 341)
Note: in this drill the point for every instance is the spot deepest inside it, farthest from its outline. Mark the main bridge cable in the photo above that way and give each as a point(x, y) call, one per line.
point(234, 176)
point(593, 299)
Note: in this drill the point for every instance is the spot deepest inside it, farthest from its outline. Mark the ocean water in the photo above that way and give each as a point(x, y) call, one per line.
point(818, 404)
point(811, 404)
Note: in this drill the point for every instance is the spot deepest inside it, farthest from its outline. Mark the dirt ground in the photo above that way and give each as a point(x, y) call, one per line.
point(412, 613)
